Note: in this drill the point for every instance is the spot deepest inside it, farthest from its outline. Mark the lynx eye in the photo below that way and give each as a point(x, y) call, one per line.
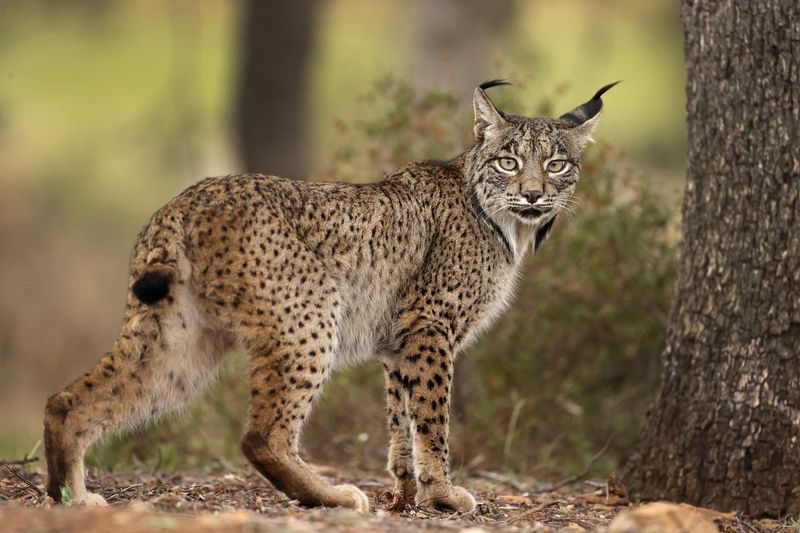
point(506, 164)
point(557, 166)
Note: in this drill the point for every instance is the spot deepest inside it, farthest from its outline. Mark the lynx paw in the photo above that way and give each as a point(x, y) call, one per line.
point(352, 497)
point(407, 487)
point(445, 497)
point(404, 482)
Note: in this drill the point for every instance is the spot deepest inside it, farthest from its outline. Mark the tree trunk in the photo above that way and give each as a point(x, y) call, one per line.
point(724, 429)
point(272, 94)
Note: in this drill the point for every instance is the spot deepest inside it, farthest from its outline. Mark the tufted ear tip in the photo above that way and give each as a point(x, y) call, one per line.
point(494, 83)
point(590, 109)
point(604, 89)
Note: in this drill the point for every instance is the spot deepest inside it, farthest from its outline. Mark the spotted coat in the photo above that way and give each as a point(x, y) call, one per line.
point(306, 278)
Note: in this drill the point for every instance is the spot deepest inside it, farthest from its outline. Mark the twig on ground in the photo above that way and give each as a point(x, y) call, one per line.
point(532, 512)
point(33, 450)
point(577, 477)
point(500, 478)
point(24, 461)
point(126, 489)
point(584, 524)
point(512, 424)
point(22, 478)
point(743, 524)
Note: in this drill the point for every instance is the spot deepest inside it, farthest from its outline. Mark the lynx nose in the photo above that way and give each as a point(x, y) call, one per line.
point(532, 195)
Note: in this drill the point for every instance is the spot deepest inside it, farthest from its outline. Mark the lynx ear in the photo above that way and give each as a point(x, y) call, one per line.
point(488, 120)
point(583, 119)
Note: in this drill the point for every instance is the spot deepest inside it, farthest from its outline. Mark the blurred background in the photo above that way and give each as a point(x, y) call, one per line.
point(108, 109)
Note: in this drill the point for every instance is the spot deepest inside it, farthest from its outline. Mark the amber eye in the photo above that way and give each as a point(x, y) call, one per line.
point(507, 164)
point(557, 165)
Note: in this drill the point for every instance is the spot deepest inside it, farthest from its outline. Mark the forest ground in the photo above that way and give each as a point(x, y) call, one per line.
point(244, 501)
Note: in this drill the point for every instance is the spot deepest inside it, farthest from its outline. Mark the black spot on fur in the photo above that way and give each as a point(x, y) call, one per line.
point(152, 286)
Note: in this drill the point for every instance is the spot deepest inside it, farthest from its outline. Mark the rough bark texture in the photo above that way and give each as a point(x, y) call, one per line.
point(724, 429)
point(272, 94)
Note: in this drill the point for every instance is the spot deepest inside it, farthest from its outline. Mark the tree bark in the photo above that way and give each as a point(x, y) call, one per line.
point(272, 94)
point(724, 429)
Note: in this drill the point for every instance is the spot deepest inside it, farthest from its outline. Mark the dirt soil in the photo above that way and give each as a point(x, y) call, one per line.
point(244, 501)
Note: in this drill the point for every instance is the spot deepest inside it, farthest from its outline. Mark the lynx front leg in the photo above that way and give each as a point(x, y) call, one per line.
point(425, 372)
point(401, 459)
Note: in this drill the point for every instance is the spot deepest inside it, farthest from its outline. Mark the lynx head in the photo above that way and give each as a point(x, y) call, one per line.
point(523, 170)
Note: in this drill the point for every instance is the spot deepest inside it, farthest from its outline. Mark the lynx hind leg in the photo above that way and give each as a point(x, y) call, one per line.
point(162, 358)
point(285, 381)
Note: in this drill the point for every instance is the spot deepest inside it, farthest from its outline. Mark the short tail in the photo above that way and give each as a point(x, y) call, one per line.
point(153, 285)
point(158, 258)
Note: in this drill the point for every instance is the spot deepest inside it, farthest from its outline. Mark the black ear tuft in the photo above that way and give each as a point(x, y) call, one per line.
point(584, 112)
point(603, 90)
point(493, 83)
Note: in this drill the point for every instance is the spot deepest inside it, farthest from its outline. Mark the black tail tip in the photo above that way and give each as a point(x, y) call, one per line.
point(152, 286)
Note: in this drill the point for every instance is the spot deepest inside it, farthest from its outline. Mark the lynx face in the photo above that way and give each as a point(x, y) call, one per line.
point(526, 168)
point(529, 169)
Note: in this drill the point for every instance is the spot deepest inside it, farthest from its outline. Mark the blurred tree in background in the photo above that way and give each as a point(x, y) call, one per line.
point(272, 111)
point(105, 113)
point(452, 41)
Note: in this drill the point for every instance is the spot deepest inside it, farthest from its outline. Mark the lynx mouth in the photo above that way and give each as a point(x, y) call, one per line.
point(528, 212)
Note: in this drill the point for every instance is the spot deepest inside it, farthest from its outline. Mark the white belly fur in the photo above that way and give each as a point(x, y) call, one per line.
point(368, 309)
point(364, 322)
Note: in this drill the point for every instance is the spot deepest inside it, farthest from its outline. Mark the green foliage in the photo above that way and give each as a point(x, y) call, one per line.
point(404, 127)
point(66, 495)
